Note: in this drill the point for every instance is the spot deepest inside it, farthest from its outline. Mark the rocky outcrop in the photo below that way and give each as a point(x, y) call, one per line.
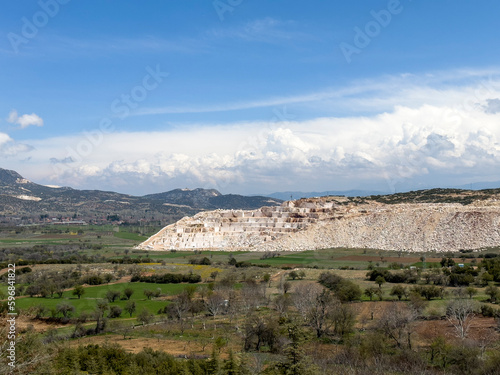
point(326, 222)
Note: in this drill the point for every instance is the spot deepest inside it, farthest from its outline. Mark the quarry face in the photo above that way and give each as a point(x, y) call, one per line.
point(326, 222)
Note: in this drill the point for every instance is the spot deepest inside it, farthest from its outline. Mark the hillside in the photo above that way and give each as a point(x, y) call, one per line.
point(211, 199)
point(23, 201)
point(435, 220)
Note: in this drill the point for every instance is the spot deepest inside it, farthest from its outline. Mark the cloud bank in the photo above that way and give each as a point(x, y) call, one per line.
point(428, 135)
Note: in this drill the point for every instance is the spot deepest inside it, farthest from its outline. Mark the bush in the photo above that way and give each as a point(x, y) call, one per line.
point(168, 278)
point(488, 311)
point(344, 290)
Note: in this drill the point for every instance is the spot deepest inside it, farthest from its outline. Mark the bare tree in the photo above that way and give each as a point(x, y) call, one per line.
point(304, 296)
point(461, 313)
point(178, 308)
point(316, 305)
point(252, 295)
point(284, 286)
point(396, 323)
point(214, 304)
point(282, 303)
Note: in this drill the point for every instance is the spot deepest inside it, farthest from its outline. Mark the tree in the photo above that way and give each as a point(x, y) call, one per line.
point(396, 323)
point(316, 306)
point(48, 287)
point(214, 275)
point(471, 291)
point(114, 312)
point(214, 304)
point(261, 331)
point(461, 313)
point(231, 365)
point(39, 310)
point(281, 303)
point(101, 307)
point(293, 275)
point(108, 277)
point(428, 291)
point(348, 291)
point(130, 307)
point(295, 361)
point(112, 295)
point(59, 289)
point(343, 317)
point(178, 308)
point(398, 291)
point(145, 317)
point(65, 309)
point(370, 292)
point(284, 286)
point(32, 290)
point(267, 279)
point(379, 281)
point(252, 294)
point(345, 290)
point(78, 291)
point(127, 293)
point(493, 292)
point(148, 293)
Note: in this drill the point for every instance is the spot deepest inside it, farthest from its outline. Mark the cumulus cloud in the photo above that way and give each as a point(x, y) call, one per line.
point(10, 148)
point(24, 120)
point(492, 105)
point(422, 136)
point(407, 145)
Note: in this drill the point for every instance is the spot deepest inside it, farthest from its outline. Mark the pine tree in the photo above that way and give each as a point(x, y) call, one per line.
point(231, 366)
point(213, 365)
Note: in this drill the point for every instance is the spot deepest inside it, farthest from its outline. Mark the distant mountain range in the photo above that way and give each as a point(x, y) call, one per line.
point(26, 201)
point(23, 201)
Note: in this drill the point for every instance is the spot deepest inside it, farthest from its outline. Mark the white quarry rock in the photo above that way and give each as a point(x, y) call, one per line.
point(29, 198)
point(317, 223)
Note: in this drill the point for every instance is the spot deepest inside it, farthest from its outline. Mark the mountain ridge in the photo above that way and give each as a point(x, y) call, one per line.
point(22, 197)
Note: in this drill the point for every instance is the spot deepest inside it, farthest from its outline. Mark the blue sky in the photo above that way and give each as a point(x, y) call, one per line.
point(250, 96)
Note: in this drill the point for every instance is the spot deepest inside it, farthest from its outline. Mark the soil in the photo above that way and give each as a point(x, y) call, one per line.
point(135, 345)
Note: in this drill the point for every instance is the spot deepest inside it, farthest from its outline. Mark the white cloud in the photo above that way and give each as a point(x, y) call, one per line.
point(406, 145)
point(10, 148)
point(460, 88)
point(433, 134)
point(24, 120)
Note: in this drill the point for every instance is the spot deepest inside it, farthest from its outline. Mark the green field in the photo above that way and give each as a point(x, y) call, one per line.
point(130, 236)
point(87, 302)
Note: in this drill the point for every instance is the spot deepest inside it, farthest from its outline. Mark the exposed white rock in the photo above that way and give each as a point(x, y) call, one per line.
point(317, 223)
point(29, 198)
